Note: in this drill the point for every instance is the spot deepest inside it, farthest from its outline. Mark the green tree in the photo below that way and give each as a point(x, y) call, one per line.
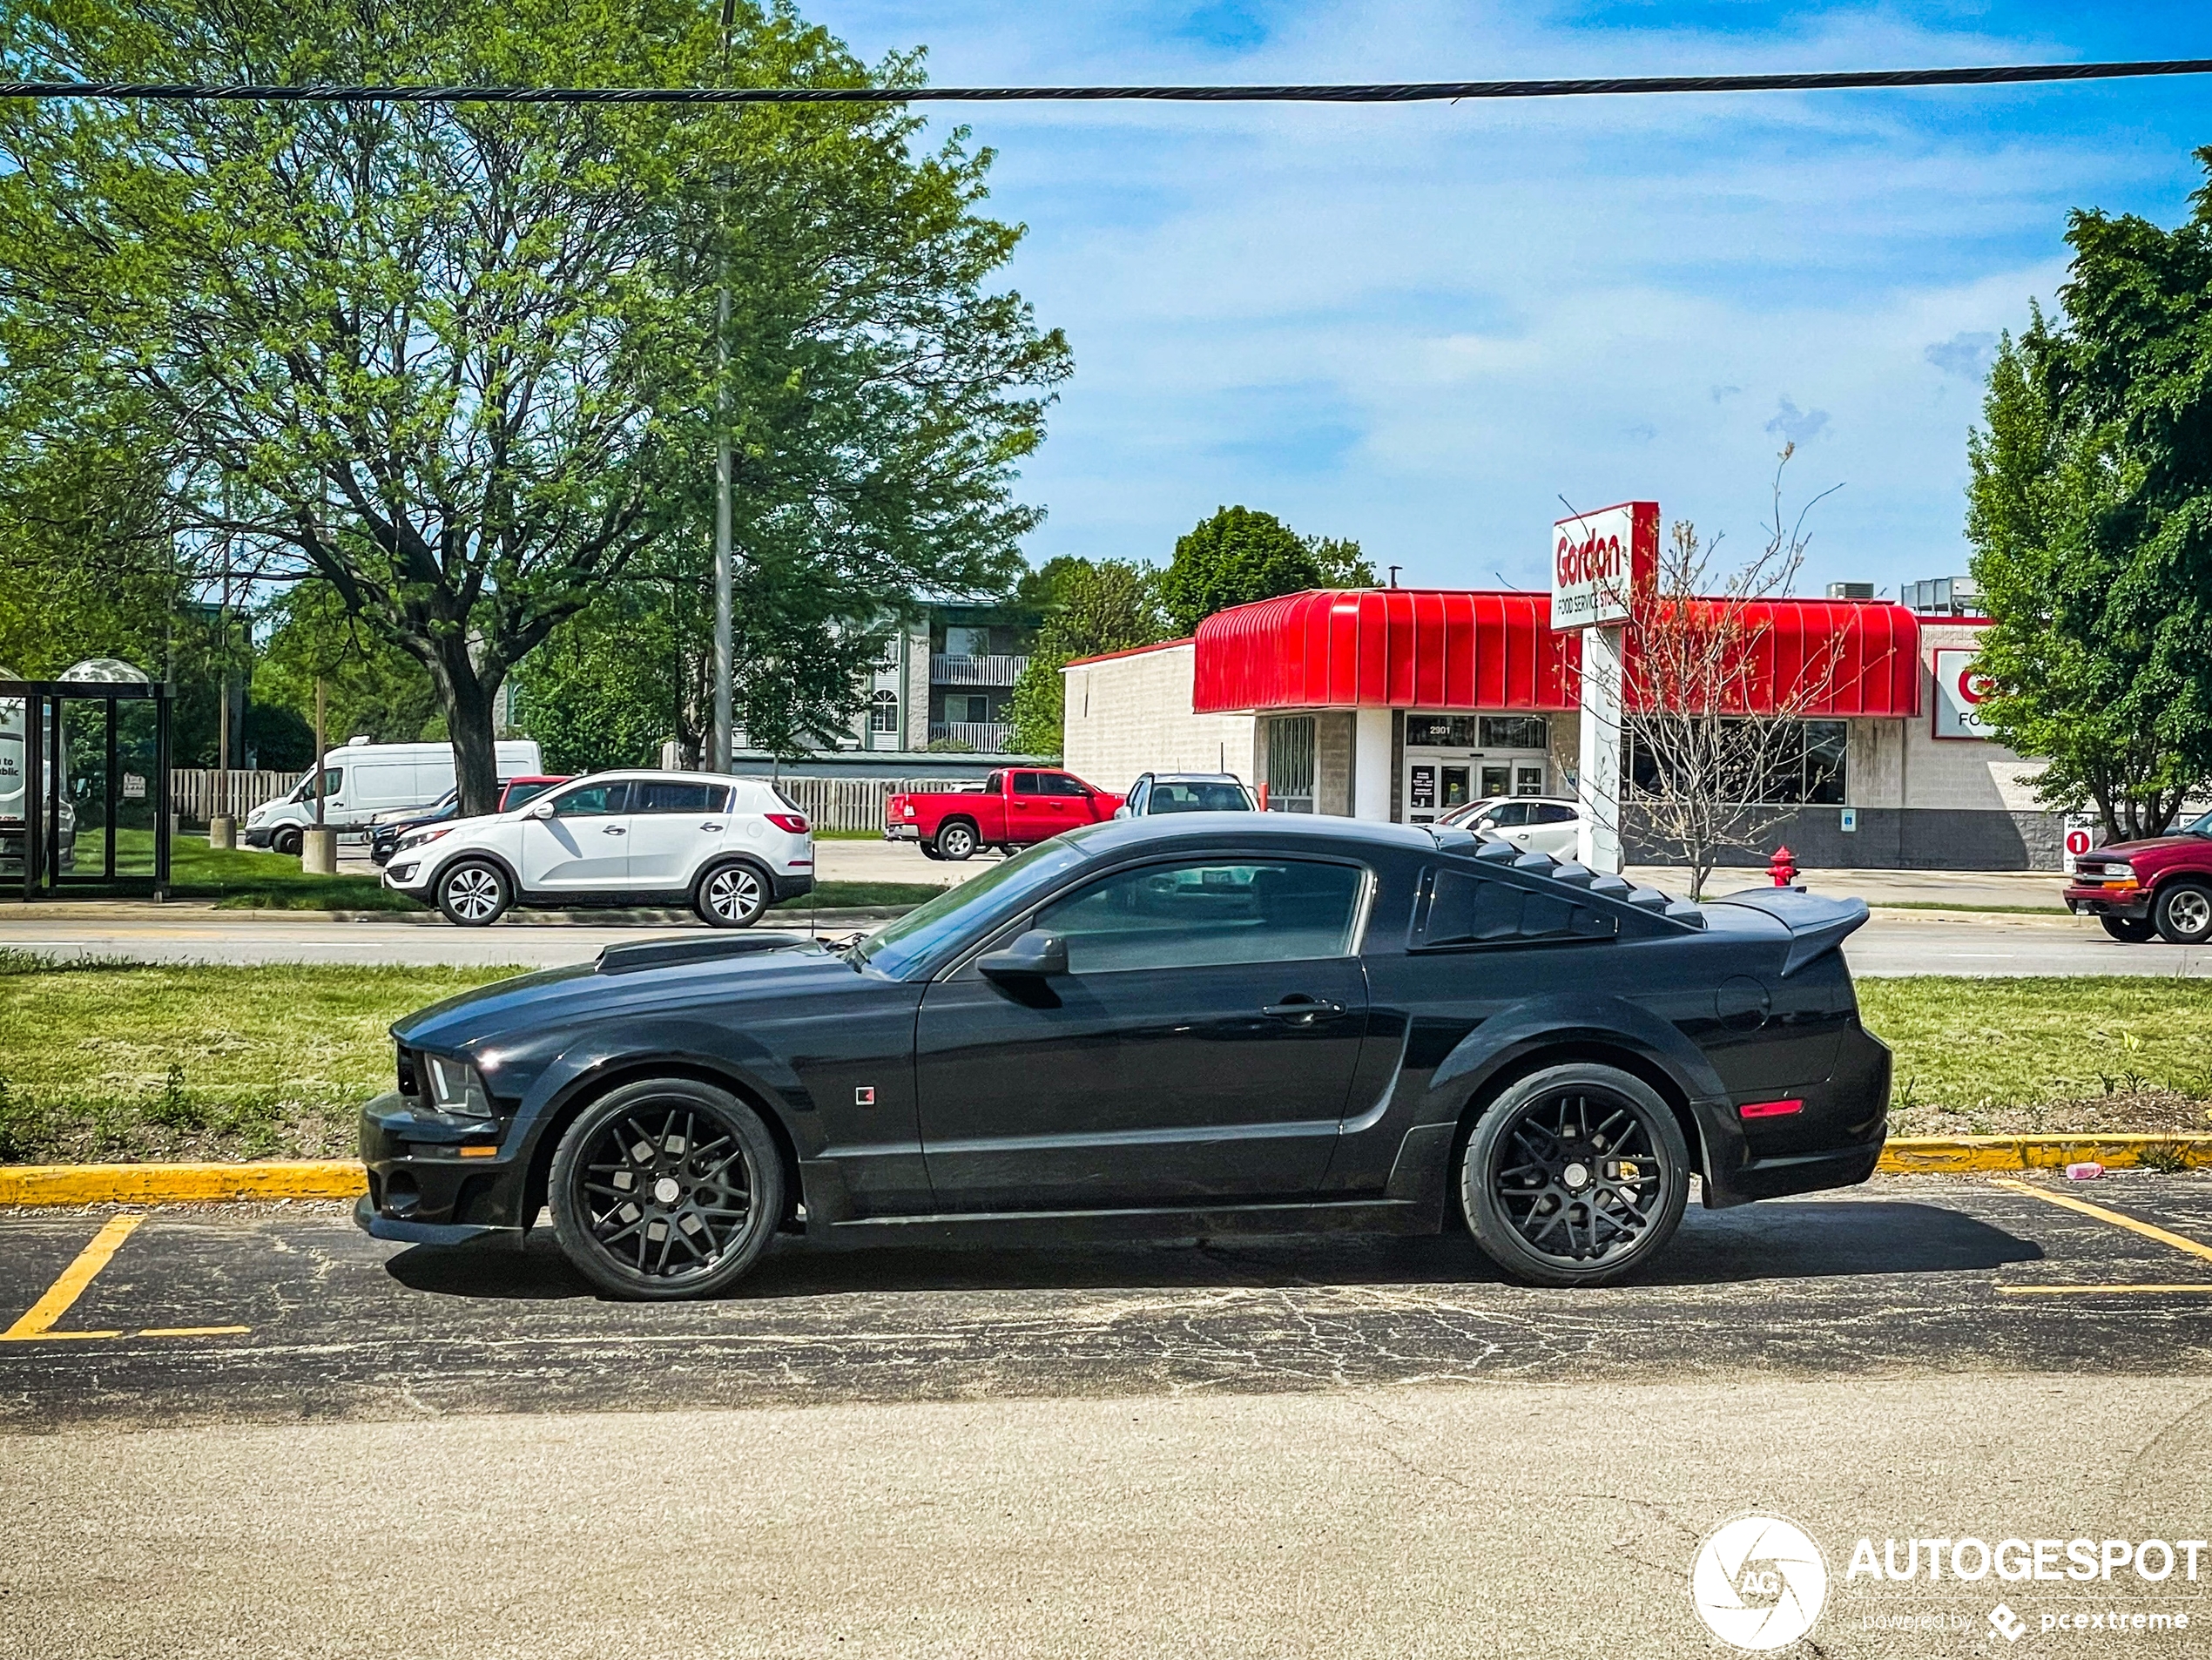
point(2091, 516)
point(460, 361)
point(1109, 606)
point(1241, 555)
point(371, 687)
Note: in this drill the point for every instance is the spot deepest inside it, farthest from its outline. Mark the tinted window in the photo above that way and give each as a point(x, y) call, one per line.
point(1514, 732)
point(1508, 815)
point(657, 795)
point(1029, 784)
point(1197, 797)
point(1551, 813)
point(914, 944)
point(1468, 909)
point(1057, 784)
point(593, 800)
point(1187, 916)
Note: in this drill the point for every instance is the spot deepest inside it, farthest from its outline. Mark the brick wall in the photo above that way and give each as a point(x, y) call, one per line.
point(1127, 715)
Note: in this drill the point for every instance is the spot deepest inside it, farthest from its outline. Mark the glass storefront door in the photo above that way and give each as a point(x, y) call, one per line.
point(1452, 760)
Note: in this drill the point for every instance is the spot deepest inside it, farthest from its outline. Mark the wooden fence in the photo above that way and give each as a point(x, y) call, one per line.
point(191, 791)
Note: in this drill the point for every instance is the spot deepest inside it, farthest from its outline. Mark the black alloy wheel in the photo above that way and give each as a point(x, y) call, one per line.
point(2184, 912)
point(1574, 1175)
point(666, 1188)
point(733, 894)
point(474, 894)
point(2134, 930)
point(956, 841)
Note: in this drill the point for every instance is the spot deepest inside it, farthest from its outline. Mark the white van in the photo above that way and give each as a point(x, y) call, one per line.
point(364, 779)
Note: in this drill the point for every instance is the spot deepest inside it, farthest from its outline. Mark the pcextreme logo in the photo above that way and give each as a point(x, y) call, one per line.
point(1758, 1583)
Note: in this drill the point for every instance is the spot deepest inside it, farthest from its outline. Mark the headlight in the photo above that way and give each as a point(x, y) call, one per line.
point(454, 1086)
point(416, 838)
point(2120, 868)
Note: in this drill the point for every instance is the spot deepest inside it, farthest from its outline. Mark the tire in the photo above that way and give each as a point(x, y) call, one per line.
point(1521, 1180)
point(957, 840)
point(2183, 911)
point(708, 1175)
point(287, 841)
point(928, 851)
point(474, 892)
point(2133, 930)
point(735, 894)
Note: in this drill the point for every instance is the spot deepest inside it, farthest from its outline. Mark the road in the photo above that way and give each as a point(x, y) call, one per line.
point(1895, 943)
point(1338, 1447)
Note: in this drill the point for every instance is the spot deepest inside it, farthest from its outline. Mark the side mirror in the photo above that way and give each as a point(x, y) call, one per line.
point(1121, 812)
point(1036, 955)
point(541, 810)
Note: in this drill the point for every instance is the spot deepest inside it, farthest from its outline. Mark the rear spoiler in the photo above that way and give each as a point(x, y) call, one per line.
point(1816, 924)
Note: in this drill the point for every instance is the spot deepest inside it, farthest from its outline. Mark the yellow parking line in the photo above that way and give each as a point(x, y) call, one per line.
point(2149, 1231)
point(2091, 1291)
point(194, 1330)
point(66, 1290)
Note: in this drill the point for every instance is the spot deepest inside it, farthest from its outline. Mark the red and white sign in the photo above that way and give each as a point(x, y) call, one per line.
point(1960, 688)
point(1600, 561)
point(2080, 836)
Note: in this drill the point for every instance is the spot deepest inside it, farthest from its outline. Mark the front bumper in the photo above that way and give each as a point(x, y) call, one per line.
point(257, 835)
point(421, 1186)
point(2102, 900)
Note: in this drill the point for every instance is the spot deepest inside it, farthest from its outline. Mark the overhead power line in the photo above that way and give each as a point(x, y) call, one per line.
point(1366, 92)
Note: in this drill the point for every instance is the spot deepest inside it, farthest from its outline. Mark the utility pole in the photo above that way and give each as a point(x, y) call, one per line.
point(718, 761)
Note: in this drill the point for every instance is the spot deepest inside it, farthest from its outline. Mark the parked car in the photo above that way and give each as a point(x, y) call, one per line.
point(363, 779)
point(518, 792)
point(1014, 809)
point(1174, 1025)
point(1532, 823)
point(728, 847)
point(386, 828)
point(2160, 886)
point(1186, 792)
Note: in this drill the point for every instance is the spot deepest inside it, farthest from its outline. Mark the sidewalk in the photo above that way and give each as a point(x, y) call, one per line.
point(1967, 889)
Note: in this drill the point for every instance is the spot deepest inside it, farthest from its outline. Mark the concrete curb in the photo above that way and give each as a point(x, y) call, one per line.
point(317, 1178)
point(342, 1178)
point(1911, 1153)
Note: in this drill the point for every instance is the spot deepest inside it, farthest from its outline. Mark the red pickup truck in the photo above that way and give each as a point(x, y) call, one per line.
point(1009, 810)
point(2139, 890)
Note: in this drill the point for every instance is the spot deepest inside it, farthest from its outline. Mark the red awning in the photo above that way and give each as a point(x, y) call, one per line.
point(1445, 649)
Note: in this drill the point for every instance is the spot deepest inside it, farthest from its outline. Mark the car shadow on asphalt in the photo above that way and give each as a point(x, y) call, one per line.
point(1779, 1240)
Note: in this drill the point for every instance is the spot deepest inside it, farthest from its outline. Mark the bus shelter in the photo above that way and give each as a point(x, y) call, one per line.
point(84, 783)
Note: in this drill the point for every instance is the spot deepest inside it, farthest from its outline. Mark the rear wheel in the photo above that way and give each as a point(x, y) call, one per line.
point(474, 894)
point(2134, 930)
point(2184, 912)
point(929, 852)
point(666, 1188)
point(957, 840)
point(1575, 1176)
point(730, 895)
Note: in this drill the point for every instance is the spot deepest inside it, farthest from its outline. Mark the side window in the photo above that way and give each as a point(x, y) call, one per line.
point(333, 782)
point(995, 783)
point(1509, 815)
point(1027, 784)
point(1201, 915)
point(592, 801)
point(657, 795)
point(1140, 792)
point(1554, 813)
point(1466, 909)
point(1056, 784)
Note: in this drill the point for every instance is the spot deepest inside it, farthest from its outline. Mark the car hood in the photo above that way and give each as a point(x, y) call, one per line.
point(2131, 850)
point(631, 981)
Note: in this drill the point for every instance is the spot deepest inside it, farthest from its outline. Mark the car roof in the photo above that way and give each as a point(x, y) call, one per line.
point(1195, 778)
point(1120, 835)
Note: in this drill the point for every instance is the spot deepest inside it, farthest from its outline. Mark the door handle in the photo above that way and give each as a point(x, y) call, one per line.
point(1302, 1010)
point(710, 825)
point(612, 830)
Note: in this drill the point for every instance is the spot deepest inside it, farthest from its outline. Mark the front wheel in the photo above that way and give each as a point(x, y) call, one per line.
point(732, 895)
point(957, 840)
point(287, 843)
point(474, 895)
point(1575, 1176)
point(2134, 930)
point(665, 1188)
point(2184, 912)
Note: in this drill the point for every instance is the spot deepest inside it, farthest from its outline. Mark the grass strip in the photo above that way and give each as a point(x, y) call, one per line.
point(104, 1059)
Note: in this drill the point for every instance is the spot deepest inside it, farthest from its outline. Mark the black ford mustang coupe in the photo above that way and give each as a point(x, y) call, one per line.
point(1196, 1024)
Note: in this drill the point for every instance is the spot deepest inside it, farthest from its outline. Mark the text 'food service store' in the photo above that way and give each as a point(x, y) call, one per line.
point(1399, 704)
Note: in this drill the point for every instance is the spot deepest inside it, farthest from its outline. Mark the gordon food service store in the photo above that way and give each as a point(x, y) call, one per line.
point(1399, 703)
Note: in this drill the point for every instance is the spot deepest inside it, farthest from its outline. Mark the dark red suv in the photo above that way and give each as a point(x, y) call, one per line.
point(2139, 888)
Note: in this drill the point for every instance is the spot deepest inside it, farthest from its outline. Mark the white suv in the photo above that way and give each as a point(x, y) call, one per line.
point(729, 848)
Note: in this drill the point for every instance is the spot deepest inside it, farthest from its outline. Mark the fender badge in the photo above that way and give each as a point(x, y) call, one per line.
point(865, 1096)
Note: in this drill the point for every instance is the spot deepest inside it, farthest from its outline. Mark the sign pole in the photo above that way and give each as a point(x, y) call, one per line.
point(1597, 786)
point(1602, 563)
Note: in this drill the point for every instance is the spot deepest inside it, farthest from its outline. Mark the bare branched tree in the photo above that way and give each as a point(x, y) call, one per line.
point(1716, 746)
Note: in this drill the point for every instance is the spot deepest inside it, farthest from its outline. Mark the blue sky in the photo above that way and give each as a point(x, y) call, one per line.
point(1422, 326)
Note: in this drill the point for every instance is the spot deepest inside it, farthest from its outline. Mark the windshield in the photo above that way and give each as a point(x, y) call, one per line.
point(2201, 827)
point(1198, 797)
point(911, 945)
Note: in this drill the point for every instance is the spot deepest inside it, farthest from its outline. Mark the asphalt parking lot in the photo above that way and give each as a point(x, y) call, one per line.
point(1346, 1448)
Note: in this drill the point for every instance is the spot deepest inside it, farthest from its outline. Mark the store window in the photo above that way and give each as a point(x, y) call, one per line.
point(1441, 731)
point(1515, 731)
point(1787, 762)
point(1290, 764)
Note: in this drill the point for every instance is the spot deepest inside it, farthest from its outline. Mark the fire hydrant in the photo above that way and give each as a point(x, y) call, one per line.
point(1782, 867)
